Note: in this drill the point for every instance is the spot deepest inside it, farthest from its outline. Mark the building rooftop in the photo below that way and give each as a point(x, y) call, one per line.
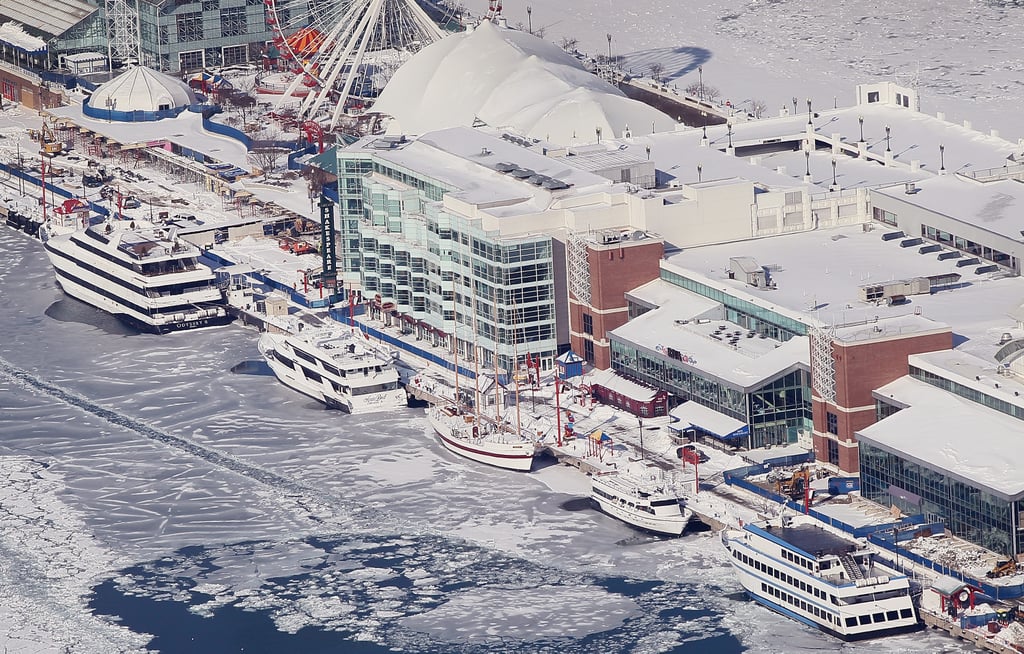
point(966, 440)
point(714, 346)
point(818, 275)
point(50, 18)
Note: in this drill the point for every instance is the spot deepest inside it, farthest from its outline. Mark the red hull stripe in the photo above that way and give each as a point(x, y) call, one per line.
point(482, 452)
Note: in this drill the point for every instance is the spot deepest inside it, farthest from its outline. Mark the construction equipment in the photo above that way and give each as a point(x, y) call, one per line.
point(1002, 569)
point(795, 486)
point(48, 143)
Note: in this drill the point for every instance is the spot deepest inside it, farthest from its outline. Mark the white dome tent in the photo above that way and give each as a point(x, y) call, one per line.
point(509, 78)
point(140, 94)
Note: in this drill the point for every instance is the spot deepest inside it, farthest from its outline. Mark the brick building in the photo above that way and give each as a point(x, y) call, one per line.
point(610, 263)
point(848, 362)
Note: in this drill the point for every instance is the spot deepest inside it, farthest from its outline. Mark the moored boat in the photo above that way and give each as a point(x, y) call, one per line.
point(142, 274)
point(338, 366)
point(798, 568)
point(643, 502)
point(463, 433)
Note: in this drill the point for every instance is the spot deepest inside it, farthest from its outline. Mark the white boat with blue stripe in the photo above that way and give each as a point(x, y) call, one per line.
point(836, 584)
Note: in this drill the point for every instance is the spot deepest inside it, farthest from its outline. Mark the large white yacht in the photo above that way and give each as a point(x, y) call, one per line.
point(338, 366)
point(796, 567)
point(139, 272)
point(641, 500)
point(482, 440)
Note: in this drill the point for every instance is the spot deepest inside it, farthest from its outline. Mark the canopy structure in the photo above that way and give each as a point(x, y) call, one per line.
point(49, 18)
point(510, 79)
point(14, 35)
point(306, 42)
point(708, 421)
point(142, 89)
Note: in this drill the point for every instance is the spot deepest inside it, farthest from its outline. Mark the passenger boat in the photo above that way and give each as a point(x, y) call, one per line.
point(140, 273)
point(338, 366)
point(465, 434)
point(645, 503)
point(825, 580)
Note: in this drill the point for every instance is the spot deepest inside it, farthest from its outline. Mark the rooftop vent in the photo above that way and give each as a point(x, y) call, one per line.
point(505, 167)
point(911, 188)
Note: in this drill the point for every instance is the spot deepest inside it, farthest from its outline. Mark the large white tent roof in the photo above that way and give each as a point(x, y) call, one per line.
point(509, 78)
point(143, 89)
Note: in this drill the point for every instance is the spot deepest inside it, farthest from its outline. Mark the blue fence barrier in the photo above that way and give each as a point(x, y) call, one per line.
point(226, 130)
point(294, 165)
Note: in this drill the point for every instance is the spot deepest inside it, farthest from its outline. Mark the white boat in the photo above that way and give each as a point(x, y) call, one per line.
point(645, 503)
point(338, 366)
point(825, 580)
point(140, 273)
point(481, 440)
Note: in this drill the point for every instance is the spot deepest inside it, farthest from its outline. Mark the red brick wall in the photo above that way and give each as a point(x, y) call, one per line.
point(860, 369)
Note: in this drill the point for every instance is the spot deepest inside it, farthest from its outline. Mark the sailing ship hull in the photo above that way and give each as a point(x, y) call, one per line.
point(456, 436)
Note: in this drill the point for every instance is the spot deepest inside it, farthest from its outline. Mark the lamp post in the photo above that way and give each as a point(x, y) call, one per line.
point(700, 82)
point(609, 36)
point(597, 130)
point(887, 148)
point(110, 104)
point(729, 124)
point(860, 119)
point(700, 170)
point(942, 158)
point(648, 149)
point(834, 183)
point(704, 116)
point(807, 164)
point(529, 18)
point(640, 425)
point(809, 121)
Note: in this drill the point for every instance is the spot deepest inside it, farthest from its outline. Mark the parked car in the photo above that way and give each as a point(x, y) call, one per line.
point(130, 202)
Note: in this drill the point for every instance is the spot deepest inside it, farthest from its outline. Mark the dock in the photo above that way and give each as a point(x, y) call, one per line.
point(980, 639)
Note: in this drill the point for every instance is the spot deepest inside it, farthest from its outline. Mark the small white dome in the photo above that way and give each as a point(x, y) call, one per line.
point(142, 89)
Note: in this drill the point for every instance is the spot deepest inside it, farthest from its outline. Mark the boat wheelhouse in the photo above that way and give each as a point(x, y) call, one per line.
point(338, 366)
point(141, 273)
point(820, 578)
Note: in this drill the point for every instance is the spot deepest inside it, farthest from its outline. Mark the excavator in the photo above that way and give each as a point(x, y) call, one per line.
point(1002, 568)
point(48, 143)
point(795, 486)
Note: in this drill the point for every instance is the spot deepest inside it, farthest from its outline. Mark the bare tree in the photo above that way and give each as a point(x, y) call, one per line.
point(758, 107)
point(704, 92)
point(569, 44)
point(267, 158)
point(657, 68)
point(711, 93)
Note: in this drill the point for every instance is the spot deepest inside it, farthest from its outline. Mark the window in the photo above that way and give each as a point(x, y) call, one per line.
point(235, 54)
point(232, 21)
point(832, 423)
point(833, 452)
point(588, 350)
point(190, 26)
point(588, 324)
point(191, 60)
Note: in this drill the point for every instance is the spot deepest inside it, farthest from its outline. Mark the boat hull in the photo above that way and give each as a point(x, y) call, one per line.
point(70, 287)
point(662, 525)
point(516, 456)
point(390, 400)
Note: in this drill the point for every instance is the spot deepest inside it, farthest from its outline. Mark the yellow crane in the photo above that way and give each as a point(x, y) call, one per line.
point(48, 143)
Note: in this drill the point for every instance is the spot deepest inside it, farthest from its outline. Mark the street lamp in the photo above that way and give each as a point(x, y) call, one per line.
point(809, 121)
point(700, 82)
point(110, 104)
point(640, 424)
point(597, 130)
point(887, 149)
point(834, 183)
point(729, 123)
point(704, 115)
point(700, 170)
point(807, 163)
point(609, 36)
point(529, 17)
point(942, 158)
point(860, 119)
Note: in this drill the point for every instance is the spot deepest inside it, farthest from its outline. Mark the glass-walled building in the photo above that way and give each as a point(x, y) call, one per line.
point(432, 271)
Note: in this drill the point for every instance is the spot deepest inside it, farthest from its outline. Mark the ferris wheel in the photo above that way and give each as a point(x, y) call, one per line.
point(350, 48)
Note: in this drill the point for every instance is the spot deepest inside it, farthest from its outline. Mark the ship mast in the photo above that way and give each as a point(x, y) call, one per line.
point(515, 356)
point(455, 349)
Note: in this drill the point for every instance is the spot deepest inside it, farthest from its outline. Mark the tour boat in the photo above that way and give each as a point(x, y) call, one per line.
point(338, 366)
point(140, 273)
point(825, 580)
point(482, 440)
point(647, 504)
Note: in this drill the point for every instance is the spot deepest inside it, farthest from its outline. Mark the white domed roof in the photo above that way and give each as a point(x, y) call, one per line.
point(142, 89)
point(509, 78)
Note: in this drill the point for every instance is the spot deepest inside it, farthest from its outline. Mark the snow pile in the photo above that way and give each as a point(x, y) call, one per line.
point(509, 78)
point(1012, 634)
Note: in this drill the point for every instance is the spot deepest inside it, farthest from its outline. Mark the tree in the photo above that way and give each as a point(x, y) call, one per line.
point(267, 158)
point(657, 68)
point(569, 44)
point(758, 107)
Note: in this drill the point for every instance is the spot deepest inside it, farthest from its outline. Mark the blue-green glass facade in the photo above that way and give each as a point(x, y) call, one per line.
point(433, 268)
point(967, 510)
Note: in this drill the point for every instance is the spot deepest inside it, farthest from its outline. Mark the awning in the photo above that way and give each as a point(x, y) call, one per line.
point(711, 422)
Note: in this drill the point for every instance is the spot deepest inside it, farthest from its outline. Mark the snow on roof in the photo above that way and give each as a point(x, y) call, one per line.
point(612, 381)
point(818, 275)
point(963, 439)
point(746, 361)
point(509, 78)
point(143, 89)
point(657, 292)
point(14, 34)
point(709, 420)
point(53, 17)
point(994, 207)
point(975, 373)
